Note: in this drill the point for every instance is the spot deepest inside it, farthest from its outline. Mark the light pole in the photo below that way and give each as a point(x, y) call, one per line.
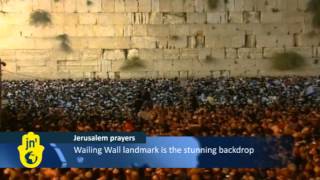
point(1, 64)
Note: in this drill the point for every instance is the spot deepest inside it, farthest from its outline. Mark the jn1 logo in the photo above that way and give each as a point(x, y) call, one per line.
point(30, 151)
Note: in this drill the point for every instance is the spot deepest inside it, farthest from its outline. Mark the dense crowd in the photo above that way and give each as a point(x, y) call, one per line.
point(200, 107)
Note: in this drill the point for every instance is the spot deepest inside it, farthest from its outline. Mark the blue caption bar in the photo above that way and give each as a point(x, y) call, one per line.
point(34, 150)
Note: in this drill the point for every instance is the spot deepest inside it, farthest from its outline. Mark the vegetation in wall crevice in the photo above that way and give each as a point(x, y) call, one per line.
point(40, 18)
point(132, 64)
point(65, 44)
point(287, 61)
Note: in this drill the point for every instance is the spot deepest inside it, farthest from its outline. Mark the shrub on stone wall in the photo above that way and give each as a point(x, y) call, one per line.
point(65, 44)
point(213, 4)
point(209, 60)
point(40, 17)
point(132, 63)
point(314, 8)
point(287, 61)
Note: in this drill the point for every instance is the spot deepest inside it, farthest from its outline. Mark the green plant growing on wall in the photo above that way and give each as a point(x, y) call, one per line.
point(314, 8)
point(209, 60)
point(64, 43)
point(132, 63)
point(40, 17)
point(213, 4)
point(174, 37)
point(287, 61)
point(89, 3)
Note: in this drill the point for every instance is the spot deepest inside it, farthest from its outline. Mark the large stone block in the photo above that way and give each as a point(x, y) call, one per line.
point(174, 18)
point(151, 54)
point(216, 17)
point(103, 31)
point(114, 54)
point(114, 18)
point(156, 18)
point(189, 54)
point(143, 42)
point(139, 30)
point(144, 5)
point(70, 6)
point(171, 54)
point(108, 5)
point(120, 6)
point(88, 18)
point(131, 5)
point(158, 30)
point(165, 5)
point(109, 43)
point(196, 18)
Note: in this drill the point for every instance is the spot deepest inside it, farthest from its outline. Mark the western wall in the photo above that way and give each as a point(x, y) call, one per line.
point(168, 38)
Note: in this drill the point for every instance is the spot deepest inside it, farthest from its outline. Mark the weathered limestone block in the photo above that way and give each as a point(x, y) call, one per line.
point(102, 31)
point(293, 17)
point(266, 41)
point(85, 31)
point(143, 42)
point(155, 5)
point(71, 19)
point(245, 5)
point(107, 5)
point(17, 43)
point(200, 5)
point(95, 6)
point(87, 18)
point(204, 53)
point(171, 54)
point(151, 54)
point(14, 18)
point(131, 5)
point(251, 17)
point(189, 6)
point(271, 17)
point(133, 53)
point(17, 6)
point(56, 6)
point(177, 5)
point(285, 41)
point(140, 18)
point(250, 53)
point(77, 43)
point(235, 17)
point(109, 43)
point(179, 30)
point(32, 58)
point(308, 40)
point(140, 30)
point(189, 54)
point(292, 5)
point(165, 5)
point(269, 52)
point(216, 17)
point(196, 18)
point(42, 4)
point(144, 5)
point(161, 42)
point(114, 18)
point(174, 18)
point(114, 54)
point(302, 5)
point(177, 42)
point(156, 18)
point(219, 53)
point(91, 55)
point(225, 41)
point(127, 30)
point(120, 6)
point(70, 6)
point(231, 53)
point(158, 30)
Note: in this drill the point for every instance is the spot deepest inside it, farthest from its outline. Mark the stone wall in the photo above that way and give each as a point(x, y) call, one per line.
point(171, 37)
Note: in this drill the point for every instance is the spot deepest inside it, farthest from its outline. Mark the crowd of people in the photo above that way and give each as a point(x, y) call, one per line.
point(198, 107)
